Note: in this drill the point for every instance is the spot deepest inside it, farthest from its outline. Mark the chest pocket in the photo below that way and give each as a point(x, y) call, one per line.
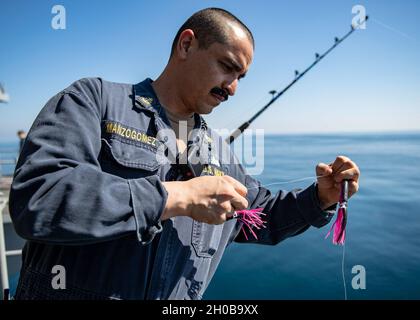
point(206, 238)
point(129, 161)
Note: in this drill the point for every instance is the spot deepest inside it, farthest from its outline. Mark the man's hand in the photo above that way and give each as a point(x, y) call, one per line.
point(329, 187)
point(206, 199)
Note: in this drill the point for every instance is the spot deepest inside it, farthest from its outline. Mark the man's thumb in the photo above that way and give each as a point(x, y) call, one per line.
point(323, 169)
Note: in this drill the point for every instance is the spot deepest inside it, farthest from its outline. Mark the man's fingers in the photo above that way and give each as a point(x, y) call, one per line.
point(353, 188)
point(239, 187)
point(323, 169)
point(226, 207)
point(339, 162)
point(226, 212)
point(238, 202)
point(344, 168)
point(349, 174)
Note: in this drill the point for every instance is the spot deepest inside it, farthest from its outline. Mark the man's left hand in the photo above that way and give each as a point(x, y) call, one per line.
point(329, 185)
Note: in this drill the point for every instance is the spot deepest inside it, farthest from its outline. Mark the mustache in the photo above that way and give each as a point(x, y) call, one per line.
point(220, 92)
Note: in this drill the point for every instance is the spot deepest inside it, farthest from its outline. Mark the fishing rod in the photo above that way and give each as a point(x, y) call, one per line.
point(298, 76)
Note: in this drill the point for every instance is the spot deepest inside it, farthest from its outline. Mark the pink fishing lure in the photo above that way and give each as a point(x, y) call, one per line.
point(339, 225)
point(251, 219)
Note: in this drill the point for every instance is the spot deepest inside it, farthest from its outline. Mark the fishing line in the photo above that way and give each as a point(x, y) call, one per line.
point(384, 25)
point(298, 75)
point(292, 181)
point(253, 218)
point(342, 272)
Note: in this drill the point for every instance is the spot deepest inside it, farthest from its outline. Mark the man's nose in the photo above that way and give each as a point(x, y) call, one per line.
point(231, 86)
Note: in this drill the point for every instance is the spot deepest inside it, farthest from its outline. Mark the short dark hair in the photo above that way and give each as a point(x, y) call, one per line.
point(209, 26)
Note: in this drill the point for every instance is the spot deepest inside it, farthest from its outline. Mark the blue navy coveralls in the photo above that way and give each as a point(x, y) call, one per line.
point(87, 195)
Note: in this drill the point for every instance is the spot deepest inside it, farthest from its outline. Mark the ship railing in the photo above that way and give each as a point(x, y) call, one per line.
point(3, 252)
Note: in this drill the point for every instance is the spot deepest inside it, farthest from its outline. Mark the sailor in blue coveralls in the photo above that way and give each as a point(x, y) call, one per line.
point(101, 190)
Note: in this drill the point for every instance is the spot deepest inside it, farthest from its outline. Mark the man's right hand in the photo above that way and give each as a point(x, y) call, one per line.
point(206, 199)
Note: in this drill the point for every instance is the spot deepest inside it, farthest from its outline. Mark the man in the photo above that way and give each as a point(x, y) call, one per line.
point(95, 192)
point(22, 136)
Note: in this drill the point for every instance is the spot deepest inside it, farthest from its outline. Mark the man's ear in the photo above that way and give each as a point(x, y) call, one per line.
point(186, 42)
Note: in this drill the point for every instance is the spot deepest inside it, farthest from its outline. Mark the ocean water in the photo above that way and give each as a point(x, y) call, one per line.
point(8, 151)
point(383, 231)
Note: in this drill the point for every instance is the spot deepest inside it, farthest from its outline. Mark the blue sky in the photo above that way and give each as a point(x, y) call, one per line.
point(370, 83)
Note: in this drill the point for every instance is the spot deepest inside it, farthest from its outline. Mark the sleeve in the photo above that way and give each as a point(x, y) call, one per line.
point(59, 194)
point(288, 213)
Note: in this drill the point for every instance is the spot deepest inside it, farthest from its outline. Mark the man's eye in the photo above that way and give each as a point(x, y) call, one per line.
point(226, 67)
